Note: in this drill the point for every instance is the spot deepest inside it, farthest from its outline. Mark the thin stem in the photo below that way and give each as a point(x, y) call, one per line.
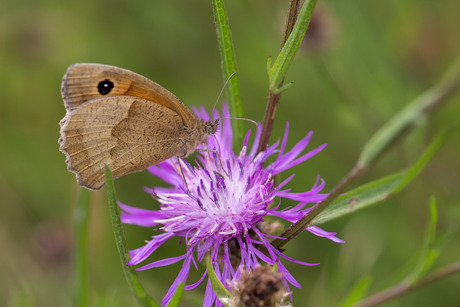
point(274, 97)
point(405, 288)
point(227, 55)
point(142, 297)
point(81, 245)
point(300, 225)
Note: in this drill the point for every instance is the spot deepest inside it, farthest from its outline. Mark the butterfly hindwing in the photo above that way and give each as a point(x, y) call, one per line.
point(93, 136)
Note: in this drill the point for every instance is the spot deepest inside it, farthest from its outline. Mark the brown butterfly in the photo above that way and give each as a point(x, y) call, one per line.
point(120, 119)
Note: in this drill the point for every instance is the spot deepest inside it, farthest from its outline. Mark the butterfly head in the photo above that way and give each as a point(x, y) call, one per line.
point(210, 127)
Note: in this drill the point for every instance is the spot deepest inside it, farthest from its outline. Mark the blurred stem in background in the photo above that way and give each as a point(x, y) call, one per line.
point(405, 288)
point(81, 218)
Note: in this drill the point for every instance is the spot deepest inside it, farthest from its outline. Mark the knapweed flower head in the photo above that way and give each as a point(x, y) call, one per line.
point(217, 206)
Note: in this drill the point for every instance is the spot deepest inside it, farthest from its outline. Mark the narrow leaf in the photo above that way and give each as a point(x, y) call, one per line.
point(359, 198)
point(177, 296)
point(81, 258)
point(222, 293)
point(426, 258)
point(142, 297)
point(412, 114)
point(227, 55)
point(358, 292)
point(423, 160)
point(279, 69)
point(429, 252)
point(376, 191)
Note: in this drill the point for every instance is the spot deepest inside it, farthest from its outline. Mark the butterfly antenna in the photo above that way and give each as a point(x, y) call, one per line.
point(223, 88)
point(245, 119)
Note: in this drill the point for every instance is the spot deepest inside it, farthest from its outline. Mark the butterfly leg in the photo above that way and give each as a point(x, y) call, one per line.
point(183, 175)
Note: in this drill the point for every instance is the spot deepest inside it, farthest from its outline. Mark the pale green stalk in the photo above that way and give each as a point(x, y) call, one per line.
point(142, 297)
point(81, 217)
point(227, 55)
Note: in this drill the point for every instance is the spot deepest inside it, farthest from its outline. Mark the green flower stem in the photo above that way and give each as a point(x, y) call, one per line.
point(388, 134)
point(227, 55)
point(273, 97)
point(143, 298)
point(81, 258)
point(306, 220)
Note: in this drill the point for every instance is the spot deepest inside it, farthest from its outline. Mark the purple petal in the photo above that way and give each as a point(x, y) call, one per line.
point(294, 260)
point(282, 184)
point(255, 144)
point(227, 132)
point(162, 262)
point(322, 233)
point(288, 275)
point(193, 286)
point(285, 138)
point(141, 217)
point(140, 254)
point(181, 277)
point(263, 257)
point(266, 243)
point(301, 159)
point(246, 138)
point(209, 296)
point(166, 172)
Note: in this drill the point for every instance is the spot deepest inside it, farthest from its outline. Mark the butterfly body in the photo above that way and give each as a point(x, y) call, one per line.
point(123, 120)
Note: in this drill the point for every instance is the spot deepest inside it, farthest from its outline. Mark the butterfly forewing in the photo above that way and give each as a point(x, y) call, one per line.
point(82, 83)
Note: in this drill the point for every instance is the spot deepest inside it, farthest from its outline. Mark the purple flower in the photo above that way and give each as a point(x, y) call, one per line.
point(220, 208)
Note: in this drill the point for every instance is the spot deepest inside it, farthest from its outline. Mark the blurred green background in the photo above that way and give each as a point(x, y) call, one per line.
point(361, 62)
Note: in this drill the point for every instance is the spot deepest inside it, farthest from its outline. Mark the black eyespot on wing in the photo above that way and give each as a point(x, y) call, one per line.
point(105, 87)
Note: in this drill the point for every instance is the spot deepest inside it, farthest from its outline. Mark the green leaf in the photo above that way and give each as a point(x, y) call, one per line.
point(409, 116)
point(228, 61)
point(142, 297)
point(423, 160)
point(429, 252)
point(222, 293)
point(358, 292)
point(81, 248)
point(279, 69)
point(426, 257)
point(376, 191)
point(283, 88)
point(359, 198)
point(177, 296)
